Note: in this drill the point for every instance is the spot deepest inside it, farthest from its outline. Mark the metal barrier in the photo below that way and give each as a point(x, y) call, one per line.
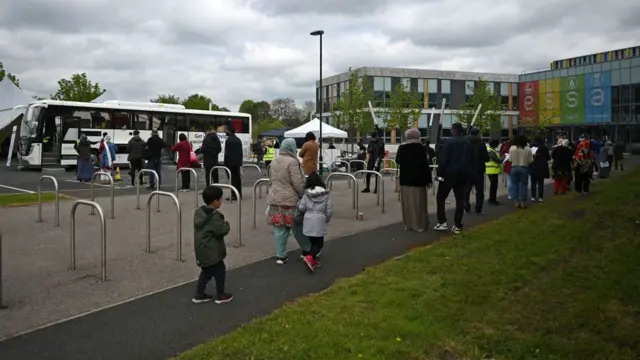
point(381, 180)
point(354, 191)
point(103, 237)
point(256, 185)
point(157, 194)
point(251, 166)
point(113, 192)
point(195, 174)
point(57, 201)
point(348, 169)
point(156, 177)
point(392, 161)
point(364, 165)
point(1, 306)
point(396, 176)
point(226, 170)
point(235, 191)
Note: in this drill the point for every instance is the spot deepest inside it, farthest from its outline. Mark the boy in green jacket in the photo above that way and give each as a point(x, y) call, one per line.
point(209, 230)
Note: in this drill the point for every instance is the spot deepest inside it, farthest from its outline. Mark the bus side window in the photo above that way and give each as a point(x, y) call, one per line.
point(141, 121)
point(199, 123)
point(181, 123)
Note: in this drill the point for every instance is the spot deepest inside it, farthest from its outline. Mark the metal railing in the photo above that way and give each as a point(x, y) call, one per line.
point(113, 192)
point(364, 165)
point(250, 166)
point(137, 180)
point(396, 176)
point(235, 191)
point(381, 181)
point(256, 185)
point(157, 194)
point(226, 170)
point(354, 190)
point(195, 174)
point(391, 161)
point(348, 169)
point(103, 237)
point(57, 201)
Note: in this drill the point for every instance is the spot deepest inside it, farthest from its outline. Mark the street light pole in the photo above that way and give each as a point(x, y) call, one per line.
point(320, 33)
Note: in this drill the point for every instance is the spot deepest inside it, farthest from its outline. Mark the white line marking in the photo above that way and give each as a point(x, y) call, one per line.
point(17, 189)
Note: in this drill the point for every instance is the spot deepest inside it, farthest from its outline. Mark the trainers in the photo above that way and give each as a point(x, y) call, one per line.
point(223, 298)
point(317, 264)
point(282, 260)
point(441, 227)
point(456, 229)
point(201, 298)
point(310, 262)
point(366, 190)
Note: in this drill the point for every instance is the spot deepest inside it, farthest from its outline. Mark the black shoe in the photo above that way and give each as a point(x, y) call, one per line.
point(375, 191)
point(478, 211)
point(467, 209)
point(493, 202)
point(223, 298)
point(366, 190)
point(201, 298)
point(151, 187)
point(232, 198)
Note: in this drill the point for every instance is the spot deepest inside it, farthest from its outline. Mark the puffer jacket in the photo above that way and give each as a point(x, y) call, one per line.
point(287, 181)
point(316, 206)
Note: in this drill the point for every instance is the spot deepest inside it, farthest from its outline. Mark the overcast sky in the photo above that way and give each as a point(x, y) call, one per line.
point(232, 50)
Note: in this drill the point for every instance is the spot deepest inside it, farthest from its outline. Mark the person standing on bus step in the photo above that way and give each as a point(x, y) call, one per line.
point(136, 157)
point(210, 150)
point(183, 148)
point(478, 168)
point(155, 144)
point(233, 160)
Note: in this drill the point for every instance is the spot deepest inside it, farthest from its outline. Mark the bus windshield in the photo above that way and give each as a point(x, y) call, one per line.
point(29, 123)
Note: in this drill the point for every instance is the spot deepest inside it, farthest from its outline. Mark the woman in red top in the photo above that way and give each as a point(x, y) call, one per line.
point(183, 148)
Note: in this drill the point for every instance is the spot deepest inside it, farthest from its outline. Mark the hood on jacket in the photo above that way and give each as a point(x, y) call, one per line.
point(317, 194)
point(137, 138)
point(202, 215)
point(475, 139)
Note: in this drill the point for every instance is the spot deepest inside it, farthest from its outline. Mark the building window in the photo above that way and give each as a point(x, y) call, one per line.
point(378, 83)
point(445, 86)
point(504, 89)
point(447, 98)
point(433, 100)
point(432, 86)
point(491, 86)
point(625, 94)
point(469, 86)
point(625, 76)
point(635, 75)
point(635, 93)
point(421, 85)
point(406, 83)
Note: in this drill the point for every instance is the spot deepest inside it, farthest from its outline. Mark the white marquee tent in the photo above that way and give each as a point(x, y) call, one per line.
point(11, 96)
point(313, 126)
point(106, 96)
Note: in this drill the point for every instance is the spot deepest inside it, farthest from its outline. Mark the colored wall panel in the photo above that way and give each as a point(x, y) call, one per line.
point(572, 99)
point(598, 97)
point(528, 99)
point(549, 101)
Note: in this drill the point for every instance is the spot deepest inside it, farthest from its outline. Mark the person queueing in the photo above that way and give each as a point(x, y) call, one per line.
point(137, 148)
point(493, 171)
point(478, 164)
point(315, 204)
point(584, 167)
point(269, 154)
point(454, 166)
point(233, 160)
point(210, 150)
point(155, 145)
point(376, 153)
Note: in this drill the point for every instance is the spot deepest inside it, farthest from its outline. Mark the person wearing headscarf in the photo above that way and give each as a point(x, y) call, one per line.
point(287, 188)
point(584, 167)
point(84, 164)
point(107, 158)
point(415, 177)
point(561, 166)
point(309, 153)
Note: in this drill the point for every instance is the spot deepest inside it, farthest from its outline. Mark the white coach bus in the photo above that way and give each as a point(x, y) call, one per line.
point(50, 128)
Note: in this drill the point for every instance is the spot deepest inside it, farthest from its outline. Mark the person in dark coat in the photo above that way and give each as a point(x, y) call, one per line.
point(210, 150)
point(233, 159)
point(155, 145)
point(477, 173)
point(376, 154)
point(136, 157)
point(539, 168)
point(618, 155)
point(562, 160)
point(85, 166)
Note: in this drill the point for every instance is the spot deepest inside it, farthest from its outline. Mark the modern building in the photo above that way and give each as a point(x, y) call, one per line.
point(431, 85)
point(596, 94)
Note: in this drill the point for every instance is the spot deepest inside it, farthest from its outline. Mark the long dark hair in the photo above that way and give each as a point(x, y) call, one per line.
point(182, 137)
point(520, 141)
point(314, 179)
point(309, 136)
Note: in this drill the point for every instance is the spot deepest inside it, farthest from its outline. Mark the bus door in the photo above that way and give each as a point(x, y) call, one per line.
point(169, 135)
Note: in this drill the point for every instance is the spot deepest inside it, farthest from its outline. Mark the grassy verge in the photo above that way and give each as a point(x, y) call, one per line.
point(557, 281)
point(8, 200)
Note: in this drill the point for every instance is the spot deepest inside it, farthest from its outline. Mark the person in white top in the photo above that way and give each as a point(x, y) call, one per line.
point(521, 157)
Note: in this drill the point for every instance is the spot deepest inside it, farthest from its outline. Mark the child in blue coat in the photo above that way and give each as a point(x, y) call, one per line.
point(316, 206)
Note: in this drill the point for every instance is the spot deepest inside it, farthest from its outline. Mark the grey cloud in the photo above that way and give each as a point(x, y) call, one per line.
point(348, 7)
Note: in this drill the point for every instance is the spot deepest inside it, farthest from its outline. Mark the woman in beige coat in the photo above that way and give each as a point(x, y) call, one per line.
point(309, 154)
point(287, 188)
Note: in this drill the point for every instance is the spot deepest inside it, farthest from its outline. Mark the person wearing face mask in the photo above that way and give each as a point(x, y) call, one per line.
point(376, 154)
point(233, 159)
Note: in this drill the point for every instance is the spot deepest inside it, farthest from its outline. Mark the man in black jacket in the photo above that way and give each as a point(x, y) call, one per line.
point(376, 153)
point(155, 144)
point(233, 159)
point(478, 168)
point(210, 151)
point(136, 157)
point(454, 166)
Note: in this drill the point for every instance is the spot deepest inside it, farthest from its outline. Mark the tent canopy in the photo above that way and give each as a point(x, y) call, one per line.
point(11, 95)
point(274, 132)
point(313, 126)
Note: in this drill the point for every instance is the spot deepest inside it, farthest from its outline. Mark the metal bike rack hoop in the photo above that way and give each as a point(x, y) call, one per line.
point(226, 170)
point(57, 201)
point(254, 166)
point(103, 237)
point(381, 192)
point(396, 176)
point(195, 174)
point(113, 192)
point(235, 191)
point(348, 168)
point(157, 194)
point(137, 180)
point(257, 186)
point(354, 190)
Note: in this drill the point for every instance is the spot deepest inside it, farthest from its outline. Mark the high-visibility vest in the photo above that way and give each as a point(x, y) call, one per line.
point(493, 168)
point(268, 155)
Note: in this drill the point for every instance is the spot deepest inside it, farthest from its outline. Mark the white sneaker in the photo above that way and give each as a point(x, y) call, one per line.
point(441, 227)
point(540, 200)
point(533, 200)
point(456, 230)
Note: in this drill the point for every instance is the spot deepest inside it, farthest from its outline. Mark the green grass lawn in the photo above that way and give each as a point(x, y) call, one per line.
point(27, 199)
point(557, 281)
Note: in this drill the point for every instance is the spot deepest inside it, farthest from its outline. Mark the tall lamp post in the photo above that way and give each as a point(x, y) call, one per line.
point(320, 33)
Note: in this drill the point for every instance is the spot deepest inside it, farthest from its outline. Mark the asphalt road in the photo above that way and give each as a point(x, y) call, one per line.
point(164, 324)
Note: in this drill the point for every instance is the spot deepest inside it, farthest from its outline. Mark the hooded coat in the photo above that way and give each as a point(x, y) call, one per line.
point(316, 206)
point(209, 230)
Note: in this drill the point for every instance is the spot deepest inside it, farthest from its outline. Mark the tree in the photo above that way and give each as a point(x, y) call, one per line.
point(166, 99)
point(36, 97)
point(8, 75)
point(285, 109)
point(351, 111)
point(308, 110)
point(265, 125)
point(77, 88)
point(199, 102)
point(259, 110)
point(489, 116)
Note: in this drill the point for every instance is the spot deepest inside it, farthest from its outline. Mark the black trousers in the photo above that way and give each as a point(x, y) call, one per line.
point(582, 180)
point(134, 167)
point(207, 178)
point(317, 243)
point(618, 160)
point(371, 166)
point(493, 187)
point(476, 181)
point(186, 180)
point(217, 271)
point(236, 180)
point(537, 186)
point(458, 184)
